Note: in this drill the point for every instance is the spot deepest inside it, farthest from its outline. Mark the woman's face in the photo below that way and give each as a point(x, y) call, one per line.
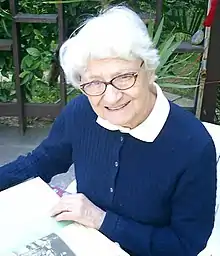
point(128, 107)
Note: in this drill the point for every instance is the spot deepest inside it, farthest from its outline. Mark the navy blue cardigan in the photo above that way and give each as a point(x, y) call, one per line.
point(159, 196)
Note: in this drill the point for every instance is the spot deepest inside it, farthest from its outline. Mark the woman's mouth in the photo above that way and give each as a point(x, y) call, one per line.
point(118, 107)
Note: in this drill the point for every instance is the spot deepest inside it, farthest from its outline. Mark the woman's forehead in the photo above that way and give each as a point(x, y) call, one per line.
point(110, 67)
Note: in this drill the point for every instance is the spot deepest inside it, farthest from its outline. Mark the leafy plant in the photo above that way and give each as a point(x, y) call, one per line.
point(184, 17)
point(6, 64)
point(168, 59)
point(39, 41)
point(7, 92)
point(40, 37)
point(35, 62)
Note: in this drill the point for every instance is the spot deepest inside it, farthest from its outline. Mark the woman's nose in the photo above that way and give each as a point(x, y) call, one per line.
point(112, 95)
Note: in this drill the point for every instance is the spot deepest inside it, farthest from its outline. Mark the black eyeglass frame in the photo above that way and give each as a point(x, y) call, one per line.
point(134, 74)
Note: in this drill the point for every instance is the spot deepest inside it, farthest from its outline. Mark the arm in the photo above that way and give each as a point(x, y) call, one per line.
point(192, 220)
point(51, 157)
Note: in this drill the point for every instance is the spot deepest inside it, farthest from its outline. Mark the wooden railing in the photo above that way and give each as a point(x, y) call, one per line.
point(22, 110)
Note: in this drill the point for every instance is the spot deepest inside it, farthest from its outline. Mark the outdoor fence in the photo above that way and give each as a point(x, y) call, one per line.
point(22, 109)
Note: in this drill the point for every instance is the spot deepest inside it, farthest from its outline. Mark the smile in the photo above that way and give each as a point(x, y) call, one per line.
point(118, 107)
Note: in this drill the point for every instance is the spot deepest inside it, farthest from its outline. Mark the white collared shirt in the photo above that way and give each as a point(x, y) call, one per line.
point(150, 128)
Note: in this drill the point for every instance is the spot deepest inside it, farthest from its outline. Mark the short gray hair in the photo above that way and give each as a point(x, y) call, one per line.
point(117, 32)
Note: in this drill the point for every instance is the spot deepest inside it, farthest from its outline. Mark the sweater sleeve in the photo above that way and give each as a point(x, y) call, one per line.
point(51, 157)
point(192, 219)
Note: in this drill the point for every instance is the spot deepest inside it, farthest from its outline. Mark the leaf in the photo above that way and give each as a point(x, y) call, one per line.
point(27, 61)
point(164, 70)
point(184, 60)
point(150, 29)
point(37, 32)
point(24, 73)
point(5, 72)
point(184, 19)
point(38, 73)
point(179, 86)
point(35, 65)
point(166, 55)
point(33, 52)
point(53, 46)
point(164, 43)
point(44, 66)
point(158, 33)
point(27, 30)
point(168, 65)
point(40, 82)
point(167, 45)
point(5, 14)
point(177, 18)
point(5, 28)
point(2, 62)
point(191, 26)
point(27, 78)
point(69, 1)
point(197, 22)
point(174, 77)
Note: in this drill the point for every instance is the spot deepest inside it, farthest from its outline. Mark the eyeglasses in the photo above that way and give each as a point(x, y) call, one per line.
point(120, 82)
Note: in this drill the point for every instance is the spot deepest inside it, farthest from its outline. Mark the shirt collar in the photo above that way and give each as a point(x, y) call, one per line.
point(150, 128)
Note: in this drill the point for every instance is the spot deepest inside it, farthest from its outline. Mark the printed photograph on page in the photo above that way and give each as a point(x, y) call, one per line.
point(51, 245)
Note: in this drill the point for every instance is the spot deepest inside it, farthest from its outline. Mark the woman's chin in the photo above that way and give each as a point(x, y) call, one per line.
point(119, 121)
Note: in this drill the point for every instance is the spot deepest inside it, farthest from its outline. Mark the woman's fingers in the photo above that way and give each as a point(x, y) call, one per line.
point(80, 209)
point(64, 216)
point(66, 204)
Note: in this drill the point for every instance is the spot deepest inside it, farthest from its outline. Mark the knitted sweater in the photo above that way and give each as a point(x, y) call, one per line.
point(159, 197)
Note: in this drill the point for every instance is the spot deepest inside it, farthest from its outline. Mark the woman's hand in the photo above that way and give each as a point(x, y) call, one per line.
point(78, 208)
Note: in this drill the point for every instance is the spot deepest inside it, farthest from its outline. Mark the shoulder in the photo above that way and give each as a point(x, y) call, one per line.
point(187, 131)
point(78, 108)
point(80, 102)
point(76, 114)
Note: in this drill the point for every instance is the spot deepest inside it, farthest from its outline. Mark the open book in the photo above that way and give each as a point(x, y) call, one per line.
point(26, 228)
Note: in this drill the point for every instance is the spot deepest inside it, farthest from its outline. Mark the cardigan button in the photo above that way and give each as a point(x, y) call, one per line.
point(121, 138)
point(111, 190)
point(116, 164)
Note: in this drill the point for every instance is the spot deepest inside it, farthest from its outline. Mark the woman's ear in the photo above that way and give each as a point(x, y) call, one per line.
point(151, 76)
point(78, 77)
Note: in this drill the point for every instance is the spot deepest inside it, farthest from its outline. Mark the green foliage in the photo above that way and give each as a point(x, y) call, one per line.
point(7, 93)
point(169, 61)
point(184, 17)
point(35, 62)
point(39, 41)
point(5, 19)
point(6, 89)
point(38, 45)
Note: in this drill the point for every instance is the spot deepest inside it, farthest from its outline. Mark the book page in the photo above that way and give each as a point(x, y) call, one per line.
point(26, 228)
point(50, 245)
point(24, 215)
point(87, 241)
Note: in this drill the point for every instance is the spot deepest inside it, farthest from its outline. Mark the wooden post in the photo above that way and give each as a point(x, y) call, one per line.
point(159, 11)
point(213, 72)
point(203, 70)
point(61, 28)
point(17, 62)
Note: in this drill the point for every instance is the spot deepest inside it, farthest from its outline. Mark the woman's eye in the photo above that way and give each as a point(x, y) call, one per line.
point(127, 76)
point(96, 83)
point(124, 78)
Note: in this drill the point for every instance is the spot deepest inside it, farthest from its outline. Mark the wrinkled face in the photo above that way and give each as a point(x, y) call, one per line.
point(127, 107)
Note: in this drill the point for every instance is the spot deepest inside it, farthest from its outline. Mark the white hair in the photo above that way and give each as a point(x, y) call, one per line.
point(116, 33)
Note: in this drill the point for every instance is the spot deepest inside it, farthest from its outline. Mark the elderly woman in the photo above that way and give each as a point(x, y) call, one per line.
point(145, 168)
